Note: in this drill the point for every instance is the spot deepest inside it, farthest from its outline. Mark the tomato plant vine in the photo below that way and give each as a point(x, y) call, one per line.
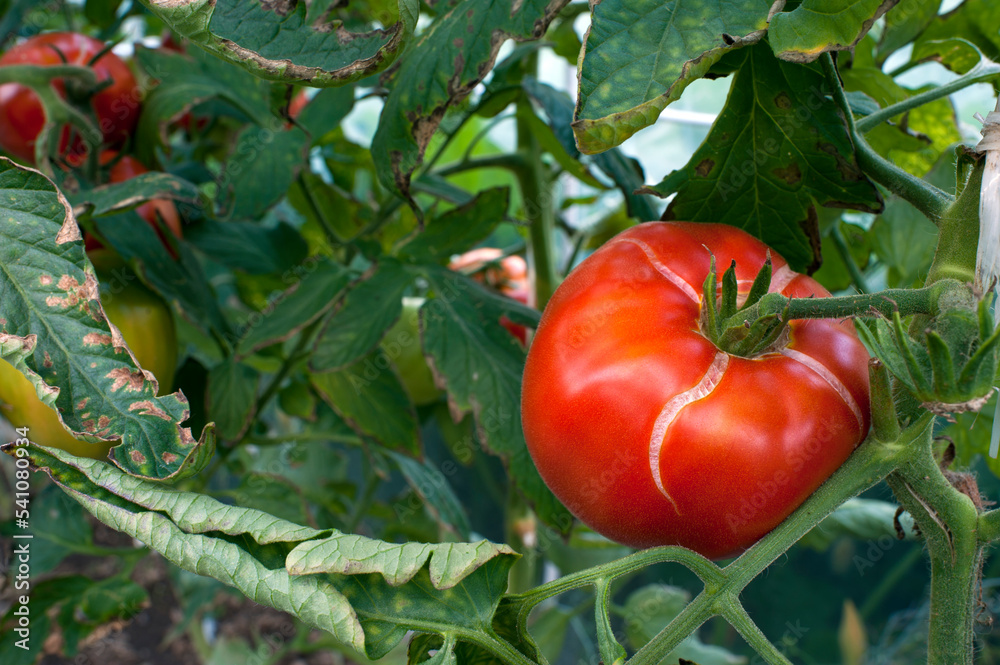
point(414, 284)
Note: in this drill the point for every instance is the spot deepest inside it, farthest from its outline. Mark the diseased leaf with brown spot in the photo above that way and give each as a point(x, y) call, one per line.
point(436, 74)
point(287, 41)
point(818, 26)
point(773, 162)
point(640, 55)
point(55, 333)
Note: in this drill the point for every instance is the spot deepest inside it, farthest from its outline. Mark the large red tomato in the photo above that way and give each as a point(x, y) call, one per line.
point(653, 436)
point(21, 114)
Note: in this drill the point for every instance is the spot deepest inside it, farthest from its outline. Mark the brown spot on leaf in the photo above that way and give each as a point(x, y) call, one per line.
point(704, 167)
point(790, 174)
point(46, 360)
point(783, 101)
point(96, 339)
point(280, 7)
point(458, 42)
point(170, 458)
point(849, 170)
point(75, 293)
point(82, 404)
point(137, 457)
point(148, 408)
point(123, 377)
point(45, 280)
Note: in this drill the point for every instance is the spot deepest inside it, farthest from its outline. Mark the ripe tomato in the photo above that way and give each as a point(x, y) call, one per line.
point(126, 168)
point(147, 326)
point(403, 347)
point(511, 279)
point(653, 436)
point(21, 114)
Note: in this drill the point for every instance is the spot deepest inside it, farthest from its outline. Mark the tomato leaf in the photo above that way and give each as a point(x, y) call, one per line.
point(366, 593)
point(365, 313)
point(904, 24)
point(460, 228)
point(451, 57)
point(861, 519)
point(231, 398)
point(816, 27)
point(324, 112)
point(53, 330)
point(248, 247)
point(285, 41)
point(481, 363)
point(764, 170)
point(297, 307)
point(433, 487)
point(261, 168)
point(640, 55)
point(369, 396)
point(126, 195)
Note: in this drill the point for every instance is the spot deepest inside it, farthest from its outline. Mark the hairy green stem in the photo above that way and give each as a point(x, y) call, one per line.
point(737, 616)
point(947, 519)
point(988, 527)
point(958, 236)
point(927, 198)
point(870, 122)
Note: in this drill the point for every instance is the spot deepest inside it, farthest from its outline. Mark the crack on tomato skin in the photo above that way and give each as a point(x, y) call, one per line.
point(663, 269)
point(830, 378)
point(705, 386)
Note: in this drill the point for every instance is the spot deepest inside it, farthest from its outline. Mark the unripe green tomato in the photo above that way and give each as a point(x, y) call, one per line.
point(402, 345)
point(148, 327)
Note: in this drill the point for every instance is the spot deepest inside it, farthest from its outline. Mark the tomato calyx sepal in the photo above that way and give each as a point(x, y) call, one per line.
point(746, 329)
point(950, 364)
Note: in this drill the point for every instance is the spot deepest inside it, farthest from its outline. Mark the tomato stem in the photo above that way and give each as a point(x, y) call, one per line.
point(927, 198)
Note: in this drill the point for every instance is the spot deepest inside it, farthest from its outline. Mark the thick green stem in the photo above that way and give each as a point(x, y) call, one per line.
point(958, 237)
point(872, 121)
point(927, 198)
point(736, 615)
point(948, 519)
point(539, 210)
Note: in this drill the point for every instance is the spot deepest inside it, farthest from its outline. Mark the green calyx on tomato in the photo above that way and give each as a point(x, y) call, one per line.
point(115, 103)
point(146, 325)
point(649, 432)
point(401, 344)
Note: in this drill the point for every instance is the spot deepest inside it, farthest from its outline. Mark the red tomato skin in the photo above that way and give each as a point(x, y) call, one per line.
point(620, 339)
point(22, 116)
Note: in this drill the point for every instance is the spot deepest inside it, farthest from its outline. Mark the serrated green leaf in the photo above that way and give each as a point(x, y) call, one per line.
point(182, 284)
point(127, 195)
point(904, 23)
point(232, 397)
point(328, 207)
point(281, 42)
point(365, 592)
point(261, 168)
point(370, 397)
point(816, 27)
point(763, 169)
point(460, 228)
point(640, 55)
point(253, 249)
point(451, 57)
point(432, 485)
point(299, 306)
point(365, 313)
point(481, 365)
point(325, 111)
point(53, 330)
